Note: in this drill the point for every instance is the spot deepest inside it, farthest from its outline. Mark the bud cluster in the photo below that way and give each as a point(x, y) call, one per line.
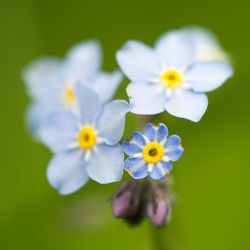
point(136, 199)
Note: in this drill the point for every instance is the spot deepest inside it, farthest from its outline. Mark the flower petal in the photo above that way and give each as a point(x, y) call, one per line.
point(167, 166)
point(176, 49)
point(207, 46)
point(173, 148)
point(131, 148)
point(89, 103)
point(34, 115)
point(106, 84)
point(207, 76)
point(139, 139)
point(162, 132)
point(187, 104)
point(173, 141)
point(146, 98)
point(174, 154)
point(66, 171)
point(83, 61)
point(150, 132)
point(43, 78)
point(137, 61)
point(136, 167)
point(106, 163)
point(157, 172)
point(110, 123)
point(58, 130)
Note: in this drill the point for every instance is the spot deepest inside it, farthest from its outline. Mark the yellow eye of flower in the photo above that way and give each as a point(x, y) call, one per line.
point(87, 138)
point(68, 95)
point(153, 152)
point(172, 78)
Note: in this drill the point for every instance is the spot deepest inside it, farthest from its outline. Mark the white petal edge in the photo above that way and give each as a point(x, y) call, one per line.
point(187, 104)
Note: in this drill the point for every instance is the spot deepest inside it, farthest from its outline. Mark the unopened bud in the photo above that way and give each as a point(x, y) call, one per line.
point(126, 201)
point(157, 206)
point(158, 212)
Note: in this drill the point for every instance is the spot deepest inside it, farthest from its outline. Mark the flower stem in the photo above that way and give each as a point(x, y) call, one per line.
point(157, 238)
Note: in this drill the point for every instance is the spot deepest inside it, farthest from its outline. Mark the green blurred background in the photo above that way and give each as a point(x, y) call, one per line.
point(211, 179)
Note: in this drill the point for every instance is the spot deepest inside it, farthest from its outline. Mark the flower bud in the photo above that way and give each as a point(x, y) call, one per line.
point(126, 201)
point(157, 206)
point(157, 213)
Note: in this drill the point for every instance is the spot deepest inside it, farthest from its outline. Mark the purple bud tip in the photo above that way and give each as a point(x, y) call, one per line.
point(158, 215)
point(121, 205)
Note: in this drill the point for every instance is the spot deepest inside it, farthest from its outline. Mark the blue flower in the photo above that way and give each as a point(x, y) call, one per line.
point(169, 78)
point(85, 144)
point(51, 81)
point(207, 46)
point(152, 153)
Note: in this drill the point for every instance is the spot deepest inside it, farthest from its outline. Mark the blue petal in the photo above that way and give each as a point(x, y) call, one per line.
point(66, 171)
point(150, 132)
point(110, 123)
point(131, 148)
point(173, 141)
point(173, 148)
point(136, 167)
point(83, 61)
point(207, 76)
point(146, 98)
point(157, 173)
point(139, 139)
point(43, 78)
point(137, 61)
point(106, 163)
point(106, 84)
point(89, 103)
point(175, 154)
point(187, 104)
point(58, 130)
point(162, 132)
point(176, 49)
point(168, 166)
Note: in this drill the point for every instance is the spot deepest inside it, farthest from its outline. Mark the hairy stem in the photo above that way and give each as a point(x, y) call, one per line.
point(157, 238)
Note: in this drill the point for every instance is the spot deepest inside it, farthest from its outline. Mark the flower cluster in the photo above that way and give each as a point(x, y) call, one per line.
point(72, 115)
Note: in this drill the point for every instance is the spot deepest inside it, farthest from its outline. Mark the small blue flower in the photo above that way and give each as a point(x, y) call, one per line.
point(168, 77)
point(151, 153)
point(85, 144)
point(207, 46)
point(51, 81)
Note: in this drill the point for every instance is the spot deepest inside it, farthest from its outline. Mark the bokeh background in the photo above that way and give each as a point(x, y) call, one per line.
point(211, 179)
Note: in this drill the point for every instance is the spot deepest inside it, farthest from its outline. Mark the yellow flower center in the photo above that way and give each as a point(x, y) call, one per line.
point(153, 152)
point(87, 138)
point(68, 95)
point(171, 78)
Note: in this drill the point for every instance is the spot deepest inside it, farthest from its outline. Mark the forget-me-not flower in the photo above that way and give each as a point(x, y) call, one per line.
point(168, 77)
point(51, 81)
point(85, 144)
point(207, 46)
point(152, 153)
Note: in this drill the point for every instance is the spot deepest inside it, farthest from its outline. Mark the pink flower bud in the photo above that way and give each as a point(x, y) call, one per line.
point(157, 212)
point(126, 201)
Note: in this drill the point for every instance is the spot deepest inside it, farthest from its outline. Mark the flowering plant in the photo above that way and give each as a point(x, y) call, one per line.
point(71, 113)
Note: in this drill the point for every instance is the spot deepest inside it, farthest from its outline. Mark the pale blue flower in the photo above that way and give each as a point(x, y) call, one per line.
point(152, 153)
point(85, 144)
point(51, 81)
point(207, 46)
point(168, 77)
